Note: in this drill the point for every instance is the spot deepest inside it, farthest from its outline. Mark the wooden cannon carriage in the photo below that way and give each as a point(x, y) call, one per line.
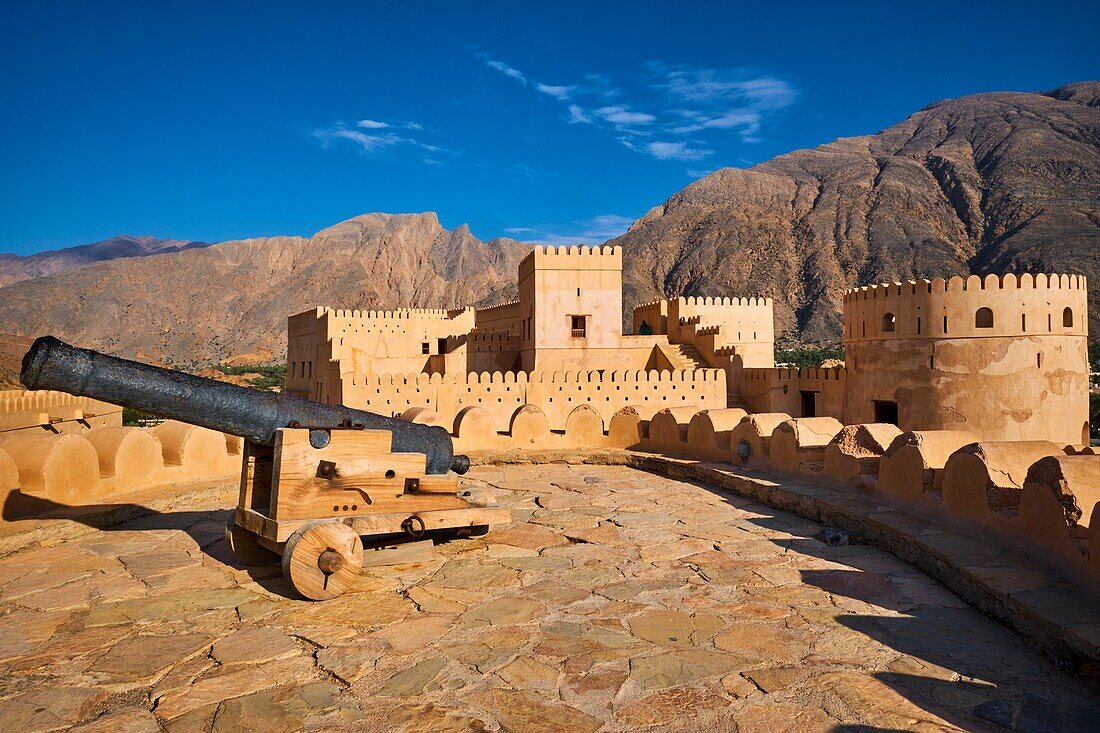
point(315, 479)
point(317, 495)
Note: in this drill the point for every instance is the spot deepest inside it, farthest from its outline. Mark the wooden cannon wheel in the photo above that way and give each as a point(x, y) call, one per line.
point(246, 546)
point(322, 559)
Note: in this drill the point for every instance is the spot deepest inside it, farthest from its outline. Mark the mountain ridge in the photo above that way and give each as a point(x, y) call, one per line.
point(232, 298)
point(997, 182)
point(15, 268)
point(1004, 181)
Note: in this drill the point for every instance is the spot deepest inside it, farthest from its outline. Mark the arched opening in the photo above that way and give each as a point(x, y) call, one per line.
point(888, 322)
point(1067, 318)
point(983, 318)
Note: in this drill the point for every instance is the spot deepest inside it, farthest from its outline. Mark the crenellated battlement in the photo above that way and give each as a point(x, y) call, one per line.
point(440, 314)
point(791, 374)
point(498, 307)
point(750, 302)
point(959, 284)
point(996, 305)
point(572, 257)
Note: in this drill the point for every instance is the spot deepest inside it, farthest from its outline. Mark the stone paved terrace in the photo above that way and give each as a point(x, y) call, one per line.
point(620, 601)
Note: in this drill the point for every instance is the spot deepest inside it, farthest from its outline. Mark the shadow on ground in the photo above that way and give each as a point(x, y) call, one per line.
point(965, 672)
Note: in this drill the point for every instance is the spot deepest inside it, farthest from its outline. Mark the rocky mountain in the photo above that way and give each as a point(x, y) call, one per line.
point(12, 349)
point(14, 268)
point(986, 183)
point(232, 299)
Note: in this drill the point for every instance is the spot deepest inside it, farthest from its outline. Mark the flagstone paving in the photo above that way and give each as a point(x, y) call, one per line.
point(619, 601)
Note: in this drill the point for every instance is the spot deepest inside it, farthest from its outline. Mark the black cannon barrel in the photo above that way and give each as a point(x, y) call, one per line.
point(253, 414)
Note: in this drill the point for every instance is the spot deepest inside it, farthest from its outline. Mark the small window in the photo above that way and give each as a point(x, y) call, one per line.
point(918, 325)
point(983, 318)
point(888, 322)
point(1023, 322)
point(1067, 318)
point(425, 348)
point(886, 412)
point(577, 325)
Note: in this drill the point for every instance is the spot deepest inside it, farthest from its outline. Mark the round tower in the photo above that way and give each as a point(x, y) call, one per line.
point(1004, 357)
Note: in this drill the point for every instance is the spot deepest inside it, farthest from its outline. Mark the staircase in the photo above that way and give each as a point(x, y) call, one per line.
point(685, 356)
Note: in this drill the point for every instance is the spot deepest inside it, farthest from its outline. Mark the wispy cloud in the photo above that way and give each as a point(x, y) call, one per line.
point(557, 92)
point(736, 86)
point(379, 125)
point(670, 106)
point(576, 114)
point(506, 69)
point(375, 137)
point(667, 150)
point(620, 115)
point(596, 230)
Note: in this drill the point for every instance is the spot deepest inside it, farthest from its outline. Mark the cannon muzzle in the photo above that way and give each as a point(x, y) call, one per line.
point(253, 414)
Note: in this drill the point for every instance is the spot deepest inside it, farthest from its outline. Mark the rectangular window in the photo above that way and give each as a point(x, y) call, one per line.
point(425, 348)
point(578, 326)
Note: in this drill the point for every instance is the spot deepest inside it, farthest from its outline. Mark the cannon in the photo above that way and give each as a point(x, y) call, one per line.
point(316, 480)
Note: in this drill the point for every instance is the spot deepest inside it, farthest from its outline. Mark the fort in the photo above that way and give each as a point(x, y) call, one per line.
point(683, 508)
point(1003, 357)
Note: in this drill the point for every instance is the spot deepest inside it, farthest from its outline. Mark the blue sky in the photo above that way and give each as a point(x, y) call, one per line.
point(555, 122)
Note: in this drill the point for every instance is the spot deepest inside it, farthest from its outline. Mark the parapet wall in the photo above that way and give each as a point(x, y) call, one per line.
point(655, 314)
point(1024, 305)
point(781, 390)
point(54, 412)
point(572, 257)
point(742, 320)
point(556, 393)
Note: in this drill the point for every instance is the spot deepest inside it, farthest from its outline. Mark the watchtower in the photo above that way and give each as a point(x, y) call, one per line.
point(571, 306)
point(1004, 357)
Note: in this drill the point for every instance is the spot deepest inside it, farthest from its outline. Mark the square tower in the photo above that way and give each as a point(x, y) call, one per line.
point(571, 302)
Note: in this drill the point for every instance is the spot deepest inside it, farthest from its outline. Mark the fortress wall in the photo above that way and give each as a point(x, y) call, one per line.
point(743, 320)
point(502, 318)
point(42, 471)
point(632, 353)
point(799, 444)
point(54, 412)
point(384, 342)
point(779, 390)
point(655, 314)
point(555, 393)
point(857, 450)
point(1004, 357)
point(984, 480)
